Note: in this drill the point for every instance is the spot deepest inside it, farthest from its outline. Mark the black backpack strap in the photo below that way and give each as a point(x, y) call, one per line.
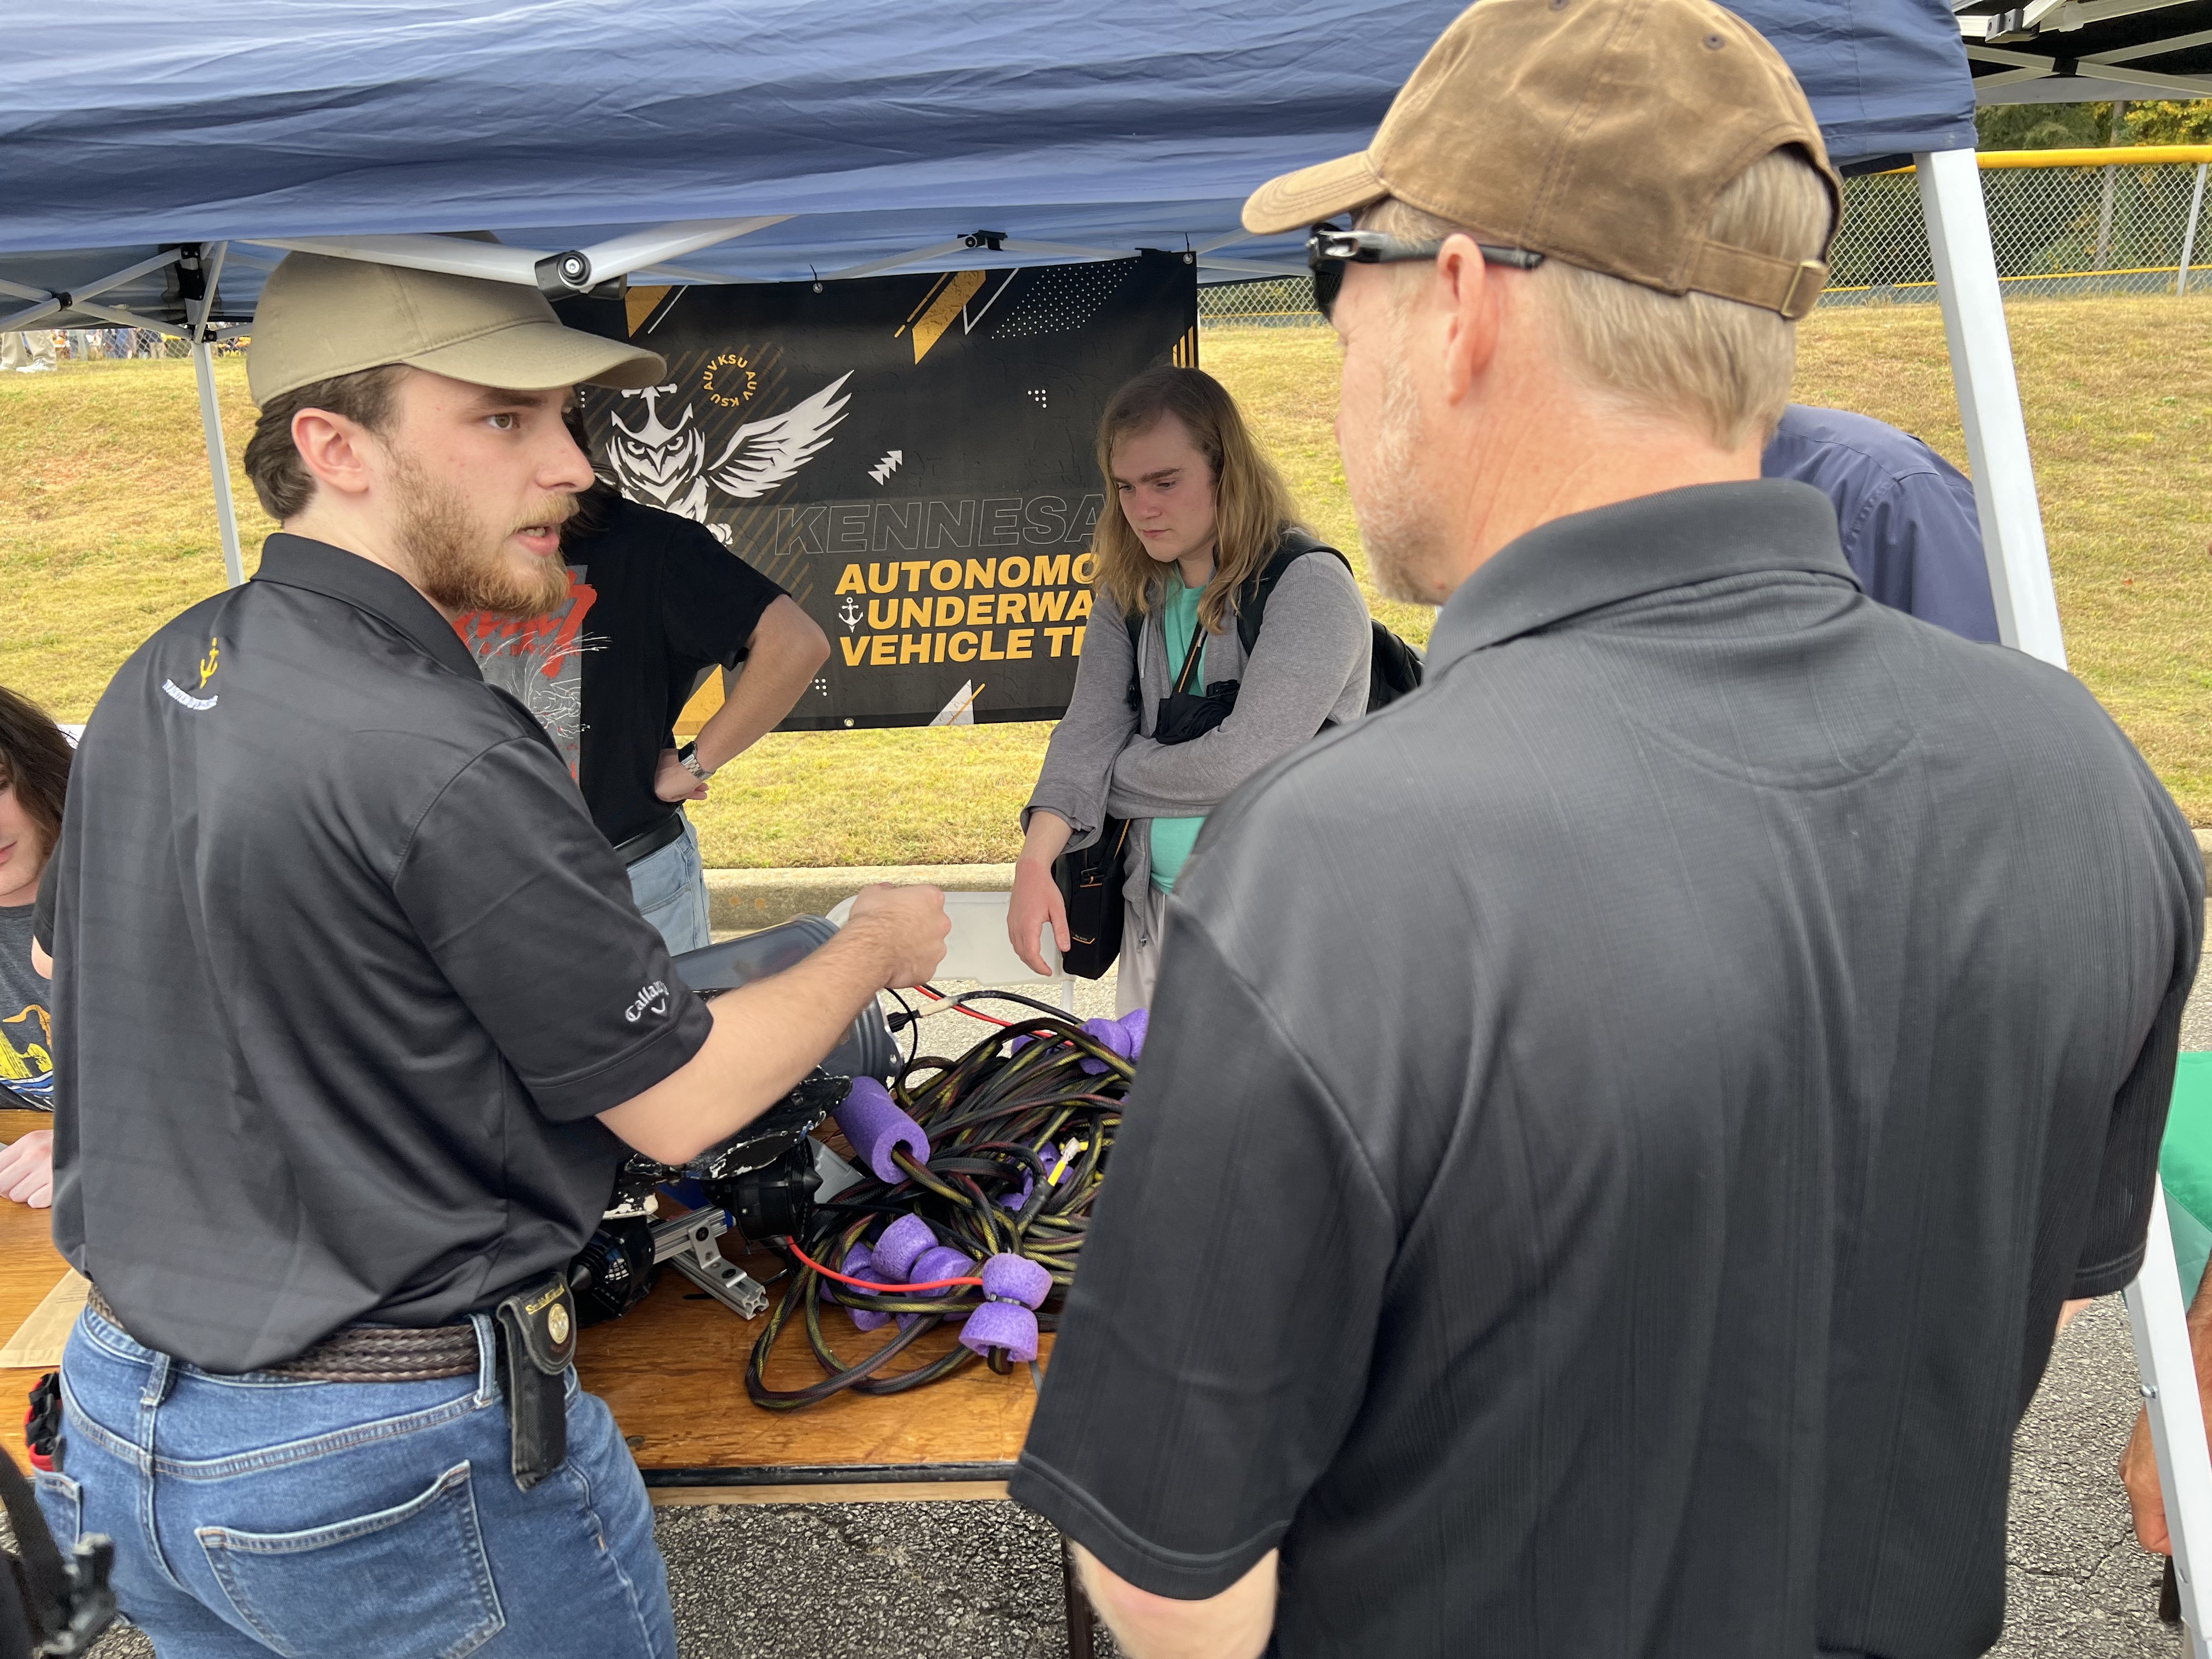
point(40, 1579)
point(1252, 597)
point(1135, 622)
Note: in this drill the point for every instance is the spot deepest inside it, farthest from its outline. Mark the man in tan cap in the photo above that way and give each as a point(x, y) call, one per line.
point(362, 1020)
point(1620, 1127)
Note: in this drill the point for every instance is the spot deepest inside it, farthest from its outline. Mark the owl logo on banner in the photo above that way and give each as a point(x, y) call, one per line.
point(659, 454)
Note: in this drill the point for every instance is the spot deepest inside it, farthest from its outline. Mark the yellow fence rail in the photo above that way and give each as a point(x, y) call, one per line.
point(2118, 155)
point(2063, 223)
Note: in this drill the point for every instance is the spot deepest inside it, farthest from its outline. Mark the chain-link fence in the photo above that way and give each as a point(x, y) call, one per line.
point(91, 345)
point(2058, 231)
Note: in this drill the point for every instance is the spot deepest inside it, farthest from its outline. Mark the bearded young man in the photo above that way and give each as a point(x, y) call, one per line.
point(358, 1021)
point(1620, 1127)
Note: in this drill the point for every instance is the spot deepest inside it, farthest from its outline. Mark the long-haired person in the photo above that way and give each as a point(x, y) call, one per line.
point(1199, 510)
point(34, 768)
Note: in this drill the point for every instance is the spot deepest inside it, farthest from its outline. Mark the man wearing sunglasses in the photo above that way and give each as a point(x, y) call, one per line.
point(1679, 1063)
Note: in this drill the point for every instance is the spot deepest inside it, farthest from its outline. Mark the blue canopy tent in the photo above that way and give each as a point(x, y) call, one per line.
point(156, 170)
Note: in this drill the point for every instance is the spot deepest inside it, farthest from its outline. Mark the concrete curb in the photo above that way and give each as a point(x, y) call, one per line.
point(744, 899)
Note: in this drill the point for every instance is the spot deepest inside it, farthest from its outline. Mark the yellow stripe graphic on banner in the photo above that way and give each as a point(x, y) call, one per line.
point(638, 303)
point(938, 318)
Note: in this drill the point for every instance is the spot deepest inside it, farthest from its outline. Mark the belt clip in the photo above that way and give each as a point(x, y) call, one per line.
point(537, 1330)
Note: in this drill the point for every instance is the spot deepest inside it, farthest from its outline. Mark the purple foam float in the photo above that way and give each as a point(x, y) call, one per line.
point(941, 1262)
point(1125, 1036)
point(900, 1247)
point(1013, 1286)
point(1005, 1325)
point(859, 1264)
point(877, 1127)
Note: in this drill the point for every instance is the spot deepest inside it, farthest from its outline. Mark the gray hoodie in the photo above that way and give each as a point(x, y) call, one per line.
point(1308, 666)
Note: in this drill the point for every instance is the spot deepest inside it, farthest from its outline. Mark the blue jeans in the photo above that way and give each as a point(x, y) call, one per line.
point(669, 887)
point(259, 1514)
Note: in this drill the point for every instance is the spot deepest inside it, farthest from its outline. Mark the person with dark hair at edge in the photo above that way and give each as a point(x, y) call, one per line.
point(1904, 515)
point(654, 604)
point(355, 1021)
point(1614, 1147)
point(1199, 510)
point(34, 768)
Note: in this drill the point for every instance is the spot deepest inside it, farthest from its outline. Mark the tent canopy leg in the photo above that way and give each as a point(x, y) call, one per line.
point(1989, 403)
point(226, 513)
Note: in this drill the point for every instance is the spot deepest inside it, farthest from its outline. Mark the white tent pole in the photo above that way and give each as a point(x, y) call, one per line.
point(233, 568)
point(456, 256)
point(218, 454)
point(638, 249)
point(2189, 235)
point(2027, 619)
point(460, 256)
point(49, 304)
point(2160, 1325)
point(870, 267)
point(1252, 267)
point(1989, 403)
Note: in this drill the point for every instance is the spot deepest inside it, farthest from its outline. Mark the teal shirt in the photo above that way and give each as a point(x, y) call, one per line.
point(1173, 838)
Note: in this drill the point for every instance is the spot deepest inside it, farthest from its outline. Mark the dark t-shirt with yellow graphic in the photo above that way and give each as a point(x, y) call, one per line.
point(27, 1035)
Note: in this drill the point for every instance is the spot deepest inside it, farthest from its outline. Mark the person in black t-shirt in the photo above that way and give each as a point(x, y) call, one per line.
point(655, 604)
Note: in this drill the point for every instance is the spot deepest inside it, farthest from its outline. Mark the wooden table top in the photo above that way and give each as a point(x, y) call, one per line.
point(29, 1267)
point(674, 1371)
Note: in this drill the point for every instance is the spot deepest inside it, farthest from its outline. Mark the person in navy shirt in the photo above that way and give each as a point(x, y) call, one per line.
point(1910, 531)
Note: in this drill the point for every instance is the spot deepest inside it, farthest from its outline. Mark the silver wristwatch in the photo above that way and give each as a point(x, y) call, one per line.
point(688, 758)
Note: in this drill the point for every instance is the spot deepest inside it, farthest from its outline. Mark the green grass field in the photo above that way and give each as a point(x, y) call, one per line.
point(107, 528)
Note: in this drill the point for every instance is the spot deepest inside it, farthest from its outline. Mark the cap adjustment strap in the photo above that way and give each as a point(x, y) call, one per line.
point(1791, 288)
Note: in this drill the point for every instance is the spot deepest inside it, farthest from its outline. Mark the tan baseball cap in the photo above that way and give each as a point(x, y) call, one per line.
point(321, 317)
point(1597, 131)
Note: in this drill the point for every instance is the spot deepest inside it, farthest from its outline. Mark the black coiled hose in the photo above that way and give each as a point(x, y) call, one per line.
point(1003, 1117)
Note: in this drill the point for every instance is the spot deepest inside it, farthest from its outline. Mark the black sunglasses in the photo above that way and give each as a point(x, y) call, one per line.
point(1328, 250)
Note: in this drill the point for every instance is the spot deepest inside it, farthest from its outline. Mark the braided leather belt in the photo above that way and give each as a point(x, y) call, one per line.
point(365, 1353)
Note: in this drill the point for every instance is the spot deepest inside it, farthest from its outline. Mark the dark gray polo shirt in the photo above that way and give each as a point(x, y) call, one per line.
point(343, 973)
point(1619, 1125)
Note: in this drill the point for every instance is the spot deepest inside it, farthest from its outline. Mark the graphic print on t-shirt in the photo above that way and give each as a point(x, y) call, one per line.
point(27, 1061)
point(26, 1026)
point(539, 661)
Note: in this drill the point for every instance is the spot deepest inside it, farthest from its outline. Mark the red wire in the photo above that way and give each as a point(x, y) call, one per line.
point(1002, 1024)
point(870, 1284)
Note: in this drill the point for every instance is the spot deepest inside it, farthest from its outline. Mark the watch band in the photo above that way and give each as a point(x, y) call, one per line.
point(688, 758)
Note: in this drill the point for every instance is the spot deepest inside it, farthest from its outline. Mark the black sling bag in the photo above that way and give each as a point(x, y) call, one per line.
point(1090, 881)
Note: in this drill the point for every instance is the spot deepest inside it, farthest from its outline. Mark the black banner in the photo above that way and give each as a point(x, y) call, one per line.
point(909, 456)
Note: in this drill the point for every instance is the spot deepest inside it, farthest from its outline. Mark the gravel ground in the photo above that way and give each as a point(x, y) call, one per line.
point(981, 1581)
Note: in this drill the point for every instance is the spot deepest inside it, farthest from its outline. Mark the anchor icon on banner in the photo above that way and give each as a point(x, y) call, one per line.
point(850, 615)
